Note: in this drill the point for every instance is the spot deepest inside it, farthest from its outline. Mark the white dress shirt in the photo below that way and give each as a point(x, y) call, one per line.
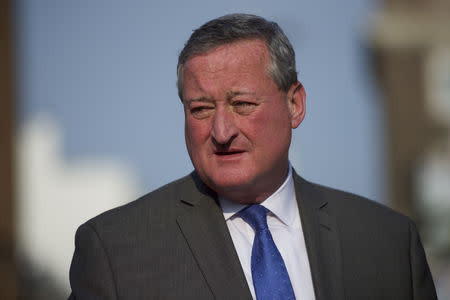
point(286, 229)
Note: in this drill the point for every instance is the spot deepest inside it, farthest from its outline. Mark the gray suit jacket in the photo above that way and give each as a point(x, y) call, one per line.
point(174, 244)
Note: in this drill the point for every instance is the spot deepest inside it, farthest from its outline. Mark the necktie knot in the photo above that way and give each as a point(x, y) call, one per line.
point(256, 216)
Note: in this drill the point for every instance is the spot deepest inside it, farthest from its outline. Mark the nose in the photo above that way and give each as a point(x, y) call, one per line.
point(224, 129)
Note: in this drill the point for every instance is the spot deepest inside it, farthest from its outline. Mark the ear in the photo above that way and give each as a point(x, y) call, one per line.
point(296, 102)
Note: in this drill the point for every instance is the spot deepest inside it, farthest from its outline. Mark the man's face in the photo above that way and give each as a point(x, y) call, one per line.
point(237, 122)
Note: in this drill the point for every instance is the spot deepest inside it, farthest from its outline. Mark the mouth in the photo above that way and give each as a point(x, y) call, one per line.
point(228, 152)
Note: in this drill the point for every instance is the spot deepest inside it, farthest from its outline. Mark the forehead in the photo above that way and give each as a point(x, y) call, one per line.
point(244, 54)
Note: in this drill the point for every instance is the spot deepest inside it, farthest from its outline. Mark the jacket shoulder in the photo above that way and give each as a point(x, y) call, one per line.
point(352, 208)
point(159, 203)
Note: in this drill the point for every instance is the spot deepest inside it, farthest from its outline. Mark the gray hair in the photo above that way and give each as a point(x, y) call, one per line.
point(235, 27)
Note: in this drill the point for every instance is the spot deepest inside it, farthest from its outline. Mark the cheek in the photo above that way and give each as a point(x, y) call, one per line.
point(196, 133)
point(274, 121)
point(270, 133)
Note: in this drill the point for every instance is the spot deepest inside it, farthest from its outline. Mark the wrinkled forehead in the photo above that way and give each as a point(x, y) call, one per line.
point(244, 53)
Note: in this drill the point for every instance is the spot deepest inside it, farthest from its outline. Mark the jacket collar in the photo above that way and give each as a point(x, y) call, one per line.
point(203, 226)
point(322, 240)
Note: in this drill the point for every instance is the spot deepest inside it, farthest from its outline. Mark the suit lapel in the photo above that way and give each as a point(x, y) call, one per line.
point(322, 241)
point(203, 226)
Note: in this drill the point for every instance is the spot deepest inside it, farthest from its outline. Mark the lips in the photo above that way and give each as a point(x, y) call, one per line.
point(228, 152)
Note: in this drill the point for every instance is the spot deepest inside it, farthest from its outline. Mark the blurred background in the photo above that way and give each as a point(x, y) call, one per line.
point(90, 117)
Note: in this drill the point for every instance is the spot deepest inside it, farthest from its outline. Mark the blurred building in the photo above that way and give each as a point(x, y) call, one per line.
point(411, 48)
point(8, 287)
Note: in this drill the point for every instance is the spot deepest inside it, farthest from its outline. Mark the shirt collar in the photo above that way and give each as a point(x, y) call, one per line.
point(281, 203)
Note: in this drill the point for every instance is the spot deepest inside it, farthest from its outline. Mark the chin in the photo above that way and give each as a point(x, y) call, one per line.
point(228, 182)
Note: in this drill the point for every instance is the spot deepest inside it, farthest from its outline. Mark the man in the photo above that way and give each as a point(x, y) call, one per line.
point(244, 225)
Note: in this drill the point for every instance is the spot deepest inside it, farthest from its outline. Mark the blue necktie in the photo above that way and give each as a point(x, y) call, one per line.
point(270, 277)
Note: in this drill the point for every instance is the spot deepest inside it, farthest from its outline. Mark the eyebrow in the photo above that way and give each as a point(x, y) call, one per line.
point(229, 95)
point(200, 99)
point(232, 94)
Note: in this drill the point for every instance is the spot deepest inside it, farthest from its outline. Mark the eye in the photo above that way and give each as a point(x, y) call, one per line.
point(201, 111)
point(244, 107)
point(243, 103)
